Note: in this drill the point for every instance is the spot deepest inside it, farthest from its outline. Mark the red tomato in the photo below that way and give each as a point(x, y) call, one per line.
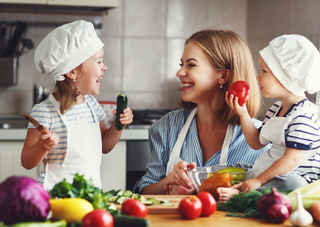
point(241, 90)
point(134, 207)
point(209, 205)
point(98, 218)
point(190, 207)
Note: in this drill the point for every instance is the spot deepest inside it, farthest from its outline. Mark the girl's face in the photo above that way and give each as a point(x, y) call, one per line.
point(269, 84)
point(200, 81)
point(89, 74)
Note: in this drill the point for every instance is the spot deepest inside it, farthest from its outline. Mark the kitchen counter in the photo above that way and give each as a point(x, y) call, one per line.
point(20, 134)
point(218, 219)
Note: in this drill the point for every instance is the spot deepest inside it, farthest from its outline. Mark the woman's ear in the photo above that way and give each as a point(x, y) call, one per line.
point(225, 76)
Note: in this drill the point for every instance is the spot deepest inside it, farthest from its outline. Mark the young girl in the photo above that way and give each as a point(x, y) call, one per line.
point(73, 55)
point(289, 67)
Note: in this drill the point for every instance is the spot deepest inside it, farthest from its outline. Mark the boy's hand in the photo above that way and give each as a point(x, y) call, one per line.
point(126, 117)
point(49, 140)
point(248, 185)
point(232, 102)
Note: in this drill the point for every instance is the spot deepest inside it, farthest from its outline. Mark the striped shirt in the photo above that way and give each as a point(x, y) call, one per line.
point(46, 114)
point(302, 133)
point(164, 133)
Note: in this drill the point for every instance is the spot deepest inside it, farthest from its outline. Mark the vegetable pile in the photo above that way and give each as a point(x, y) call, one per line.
point(23, 199)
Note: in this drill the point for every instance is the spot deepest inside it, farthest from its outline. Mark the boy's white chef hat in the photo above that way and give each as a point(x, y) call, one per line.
point(295, 62)
point(65, 48)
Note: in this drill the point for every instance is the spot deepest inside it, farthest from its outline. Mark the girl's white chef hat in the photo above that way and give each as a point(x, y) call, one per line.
point(65, 48)
point(295, 62)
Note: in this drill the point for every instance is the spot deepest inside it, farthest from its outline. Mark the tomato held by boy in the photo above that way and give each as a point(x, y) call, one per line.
point(241, 90)
point(190, 207)
point(209, 205)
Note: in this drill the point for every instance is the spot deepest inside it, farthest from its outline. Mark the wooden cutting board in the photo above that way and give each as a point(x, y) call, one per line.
point(162, 209)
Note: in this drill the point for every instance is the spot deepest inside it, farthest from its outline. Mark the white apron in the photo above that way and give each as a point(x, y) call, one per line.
point(175, 154)
point(273, 131)
point(84, 152)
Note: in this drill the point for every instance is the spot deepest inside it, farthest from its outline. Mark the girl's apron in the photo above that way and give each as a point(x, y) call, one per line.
point(273, 131)
point(84, 152)
point(175, 154)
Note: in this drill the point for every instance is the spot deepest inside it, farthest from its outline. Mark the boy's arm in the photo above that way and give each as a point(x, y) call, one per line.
point(248, 128)
point(36, 147)
point(250, 132)
point(282, 166)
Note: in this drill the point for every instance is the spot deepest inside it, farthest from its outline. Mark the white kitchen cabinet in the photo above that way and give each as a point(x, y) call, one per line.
point(10, 161)
point(113, 166)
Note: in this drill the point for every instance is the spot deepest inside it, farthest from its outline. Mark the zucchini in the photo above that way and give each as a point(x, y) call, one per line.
point(130, 221)
point(122, 101)
point(121, 199)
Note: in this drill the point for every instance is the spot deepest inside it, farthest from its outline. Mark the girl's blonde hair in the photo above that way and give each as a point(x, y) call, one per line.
point(226, 50)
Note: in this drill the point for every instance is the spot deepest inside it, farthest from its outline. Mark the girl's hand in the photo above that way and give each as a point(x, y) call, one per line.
point(126, 117)
point(248, 185)
point(49, 140)
point(179, 174)
point(232, 102)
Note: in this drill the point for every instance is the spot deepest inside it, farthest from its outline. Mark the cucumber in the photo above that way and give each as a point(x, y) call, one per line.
point(122, 101)
point(130, 221)
point(127, 193)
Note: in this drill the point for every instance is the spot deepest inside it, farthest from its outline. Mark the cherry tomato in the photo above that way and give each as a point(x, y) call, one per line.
point(190, 207)
point(98, 218)
point(209, 205)
point(241, 90)
point(134, 207)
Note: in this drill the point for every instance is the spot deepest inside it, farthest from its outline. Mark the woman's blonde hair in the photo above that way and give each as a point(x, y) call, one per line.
point(225, 49)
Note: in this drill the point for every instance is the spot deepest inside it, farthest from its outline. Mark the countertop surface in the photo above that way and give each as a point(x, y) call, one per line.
point(20, 134)
point(218, 219)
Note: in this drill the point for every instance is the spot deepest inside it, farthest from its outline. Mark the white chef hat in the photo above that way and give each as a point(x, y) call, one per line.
point(295, 62)
point(65, 48)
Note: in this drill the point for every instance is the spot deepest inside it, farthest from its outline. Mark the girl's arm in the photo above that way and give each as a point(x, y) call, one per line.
point(111, 136)
point(36, 147)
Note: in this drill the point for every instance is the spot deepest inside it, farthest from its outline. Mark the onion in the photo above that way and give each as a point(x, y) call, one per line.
point(266, 201)
point(278, 213)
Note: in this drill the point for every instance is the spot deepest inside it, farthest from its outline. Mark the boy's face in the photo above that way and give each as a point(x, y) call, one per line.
point(269, 84)
point(89, 74)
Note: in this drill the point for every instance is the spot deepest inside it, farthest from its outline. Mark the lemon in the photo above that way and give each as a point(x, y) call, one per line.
point(70, 209)
point(236, 172)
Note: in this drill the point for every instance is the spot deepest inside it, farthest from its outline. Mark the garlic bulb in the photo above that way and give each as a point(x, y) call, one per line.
point(300, 217)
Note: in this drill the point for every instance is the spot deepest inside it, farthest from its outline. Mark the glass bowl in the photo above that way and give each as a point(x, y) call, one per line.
point(199, 174)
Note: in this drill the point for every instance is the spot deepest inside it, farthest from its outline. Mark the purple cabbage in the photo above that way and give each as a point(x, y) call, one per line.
point(23, 199)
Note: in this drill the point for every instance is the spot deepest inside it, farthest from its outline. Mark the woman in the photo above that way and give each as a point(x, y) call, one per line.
point(205, 132)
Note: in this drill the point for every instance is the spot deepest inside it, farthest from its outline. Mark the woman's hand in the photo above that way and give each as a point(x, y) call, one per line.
point(179, 174)
point(174, 189)
point(232, 102)
point(126, 117)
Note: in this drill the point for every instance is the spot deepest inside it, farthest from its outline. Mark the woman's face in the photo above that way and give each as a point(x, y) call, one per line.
point(89, 74)
point(199, 79)
point(269, 84)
